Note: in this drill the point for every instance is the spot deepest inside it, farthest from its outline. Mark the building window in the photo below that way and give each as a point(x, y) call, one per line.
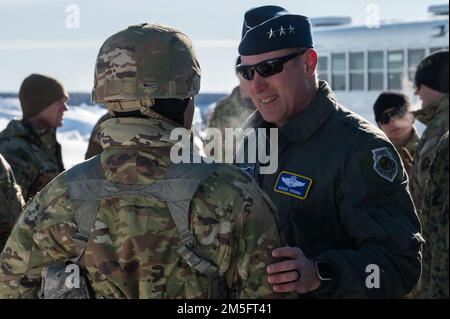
point(395, 70)
point(322, 68)
point(338, 71)
point(376, 71)
point(356, 71)
point(414, 58)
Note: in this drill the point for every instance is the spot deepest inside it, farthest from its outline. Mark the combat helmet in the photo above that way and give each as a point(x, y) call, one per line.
point(142, 63)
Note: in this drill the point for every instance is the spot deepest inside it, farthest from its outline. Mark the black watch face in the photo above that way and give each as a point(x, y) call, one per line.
point(324, 270)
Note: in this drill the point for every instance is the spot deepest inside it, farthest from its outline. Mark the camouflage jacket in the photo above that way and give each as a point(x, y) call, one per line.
point(94, 146)
point(435, 226)
point(231, 111)
point(435, 117)
point(131, 251)
point(33, 153)
point(408, 151)
point(11, 200)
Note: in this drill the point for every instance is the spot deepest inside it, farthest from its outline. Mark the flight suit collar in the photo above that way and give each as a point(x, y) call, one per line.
point(307, 122)
point(304, 124)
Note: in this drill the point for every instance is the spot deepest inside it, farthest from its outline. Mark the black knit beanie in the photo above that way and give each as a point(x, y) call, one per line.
point(38, 92)
point(433, 71)
point(388, 100)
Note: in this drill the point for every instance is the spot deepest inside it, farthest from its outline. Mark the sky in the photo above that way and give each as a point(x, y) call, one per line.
point(62, 38)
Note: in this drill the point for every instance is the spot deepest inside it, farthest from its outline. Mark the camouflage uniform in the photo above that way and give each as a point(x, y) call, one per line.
point(131, 252)
point(33, 153)
point(11, 200)
point(232, 111)
point(408, 151)
point(94, 147)
point(435, 226)
point(435, 117)
point(133, 248)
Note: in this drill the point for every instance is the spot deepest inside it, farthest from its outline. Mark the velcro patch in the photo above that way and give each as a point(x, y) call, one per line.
point(293, 184)
point(384, 163)
point(381, 166)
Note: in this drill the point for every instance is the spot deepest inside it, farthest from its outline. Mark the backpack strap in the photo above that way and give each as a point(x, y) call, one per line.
point(88, 186)
point(189, 249)
point(85, 210)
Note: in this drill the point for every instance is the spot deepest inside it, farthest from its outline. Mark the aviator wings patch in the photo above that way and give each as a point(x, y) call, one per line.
point(292, 184)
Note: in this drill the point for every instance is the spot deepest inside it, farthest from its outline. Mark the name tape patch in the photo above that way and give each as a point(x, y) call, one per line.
point(293, 184)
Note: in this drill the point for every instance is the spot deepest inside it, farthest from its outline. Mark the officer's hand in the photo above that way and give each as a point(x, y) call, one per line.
point(296, 274)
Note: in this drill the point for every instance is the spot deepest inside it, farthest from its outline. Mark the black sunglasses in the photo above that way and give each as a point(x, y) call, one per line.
point(386, 117)
point(266, 68)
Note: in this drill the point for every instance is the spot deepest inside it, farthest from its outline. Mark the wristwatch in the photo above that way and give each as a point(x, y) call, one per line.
point(324, 269)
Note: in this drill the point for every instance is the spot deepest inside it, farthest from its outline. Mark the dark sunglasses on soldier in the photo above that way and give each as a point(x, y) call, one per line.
point(386, 117)
point(266, 68)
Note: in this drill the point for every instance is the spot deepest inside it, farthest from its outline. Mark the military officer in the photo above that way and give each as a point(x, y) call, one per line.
point(340, 187)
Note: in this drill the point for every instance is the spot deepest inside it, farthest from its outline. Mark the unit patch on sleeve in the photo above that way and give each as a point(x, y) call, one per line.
point(384, 163)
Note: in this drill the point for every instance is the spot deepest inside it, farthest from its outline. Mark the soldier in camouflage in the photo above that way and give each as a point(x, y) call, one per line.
point(435, 226)
point(147, 75)
point(431, 81)
point(11, 200)
point(29, 145)
point(232, 111)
